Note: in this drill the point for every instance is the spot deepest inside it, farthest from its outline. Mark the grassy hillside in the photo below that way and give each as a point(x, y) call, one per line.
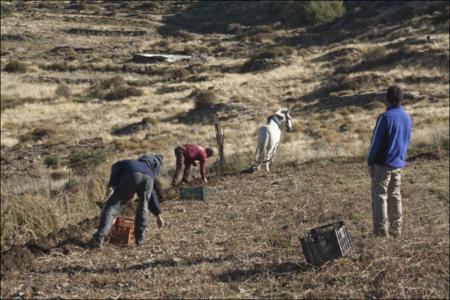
point(243, 242)
point(73, 101)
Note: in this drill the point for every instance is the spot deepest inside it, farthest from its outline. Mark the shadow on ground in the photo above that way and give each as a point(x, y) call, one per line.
point(282, 269)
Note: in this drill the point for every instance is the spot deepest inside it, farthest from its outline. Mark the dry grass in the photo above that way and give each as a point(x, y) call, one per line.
point(251, 249)
point(46, 205)
point(261, 259)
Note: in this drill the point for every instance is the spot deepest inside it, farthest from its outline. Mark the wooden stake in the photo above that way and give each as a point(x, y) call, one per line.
point(220, 136)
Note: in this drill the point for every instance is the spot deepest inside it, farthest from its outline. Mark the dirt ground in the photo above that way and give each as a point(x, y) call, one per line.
point(243, 242)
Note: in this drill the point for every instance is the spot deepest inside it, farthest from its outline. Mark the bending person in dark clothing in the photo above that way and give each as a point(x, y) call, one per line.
point(127, 178)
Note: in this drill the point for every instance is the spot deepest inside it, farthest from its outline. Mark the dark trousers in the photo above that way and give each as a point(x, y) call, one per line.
point(129, 184)
point(183, 170)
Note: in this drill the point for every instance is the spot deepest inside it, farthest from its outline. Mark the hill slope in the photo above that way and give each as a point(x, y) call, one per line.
point(73, 101)
point(243, 243)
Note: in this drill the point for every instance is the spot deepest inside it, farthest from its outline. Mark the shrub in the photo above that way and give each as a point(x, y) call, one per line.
point(440, 141)
point(58, 174)
point(115, 88)
point(204, 98)
point(15, 66)
point(267, 59)
point(375, 54)
point(312, 12)
point(39, 134)
point(51, 161)
point(137, 83)
point(122, 92)
point(60, 66)
point(81, 161)
point(234, 164)
point(179, 74)
point(63, 90)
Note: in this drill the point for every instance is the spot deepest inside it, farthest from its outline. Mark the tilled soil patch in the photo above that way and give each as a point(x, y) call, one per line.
point(21, 257)
point(65, 240)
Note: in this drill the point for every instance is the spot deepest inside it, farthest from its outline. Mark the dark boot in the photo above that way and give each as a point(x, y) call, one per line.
point(95, 243)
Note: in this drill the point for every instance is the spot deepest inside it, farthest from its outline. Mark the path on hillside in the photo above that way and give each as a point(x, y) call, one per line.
point(243, 242)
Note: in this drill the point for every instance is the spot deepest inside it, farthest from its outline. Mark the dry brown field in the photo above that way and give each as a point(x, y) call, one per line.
point(73, 101)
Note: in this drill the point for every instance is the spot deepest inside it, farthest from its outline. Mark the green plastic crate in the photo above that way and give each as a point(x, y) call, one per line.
point(193, 193)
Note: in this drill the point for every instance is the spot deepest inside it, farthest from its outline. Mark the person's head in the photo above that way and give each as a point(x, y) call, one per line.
point(154, 162)
point(394, 95)
point(209, 152)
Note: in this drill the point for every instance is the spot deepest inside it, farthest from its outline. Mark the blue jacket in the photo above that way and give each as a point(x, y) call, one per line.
point(390, 138)
point(147, 164)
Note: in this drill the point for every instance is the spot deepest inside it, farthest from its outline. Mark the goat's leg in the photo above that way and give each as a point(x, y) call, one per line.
point(267, 167)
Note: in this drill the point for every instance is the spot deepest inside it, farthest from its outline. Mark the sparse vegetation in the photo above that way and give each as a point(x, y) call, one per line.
point(84, 161)
point(51, 161)
point(178, 74)
point(250, 58)
point(61, 66)
point(15, 66)
point(312, 12)
point(114, 88)
point(267, 59)
point(63, 90)
point(204, 99)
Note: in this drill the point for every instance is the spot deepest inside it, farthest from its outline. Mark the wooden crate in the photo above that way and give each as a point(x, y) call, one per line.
point(122, 231)
point(193, 193)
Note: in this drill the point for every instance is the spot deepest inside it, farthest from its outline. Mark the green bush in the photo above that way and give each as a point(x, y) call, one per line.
point(81, 161)
point(15, 66)
point(312, 12)
point(138, 83)
point(51, 161)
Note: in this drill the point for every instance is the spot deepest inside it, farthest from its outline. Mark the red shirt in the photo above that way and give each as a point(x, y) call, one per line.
point(194, 152)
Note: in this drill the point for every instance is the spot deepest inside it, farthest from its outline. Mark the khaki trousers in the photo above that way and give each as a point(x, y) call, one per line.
point(386, 201)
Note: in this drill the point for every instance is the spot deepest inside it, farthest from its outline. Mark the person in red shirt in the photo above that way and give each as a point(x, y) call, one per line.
point(187, 156)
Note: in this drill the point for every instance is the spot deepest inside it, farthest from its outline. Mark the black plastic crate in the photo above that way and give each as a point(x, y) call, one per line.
point(325, 243)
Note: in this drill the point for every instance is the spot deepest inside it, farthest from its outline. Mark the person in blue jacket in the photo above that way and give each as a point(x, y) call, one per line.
point(386, 159)
point(127, 178)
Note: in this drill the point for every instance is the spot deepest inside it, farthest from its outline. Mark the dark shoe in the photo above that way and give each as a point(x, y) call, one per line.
point(139, 243)
point(95, 243)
